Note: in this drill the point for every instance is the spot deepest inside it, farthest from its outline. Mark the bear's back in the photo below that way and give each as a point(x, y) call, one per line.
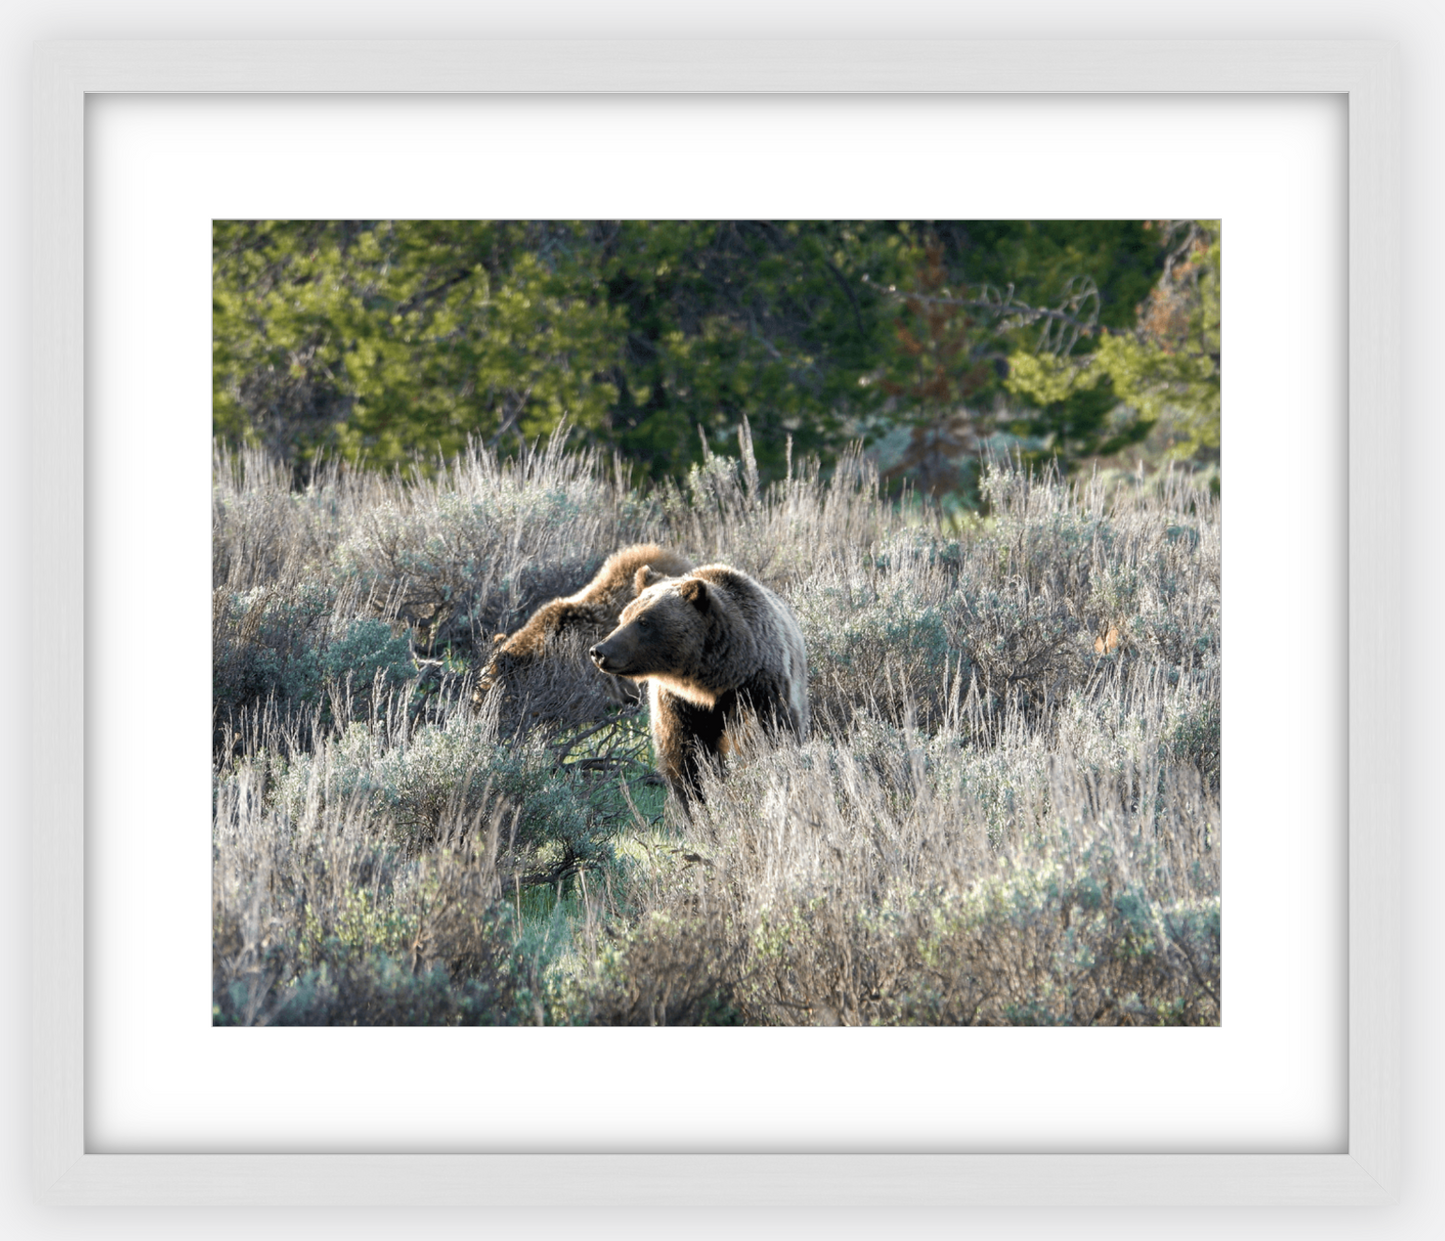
point(613, 586)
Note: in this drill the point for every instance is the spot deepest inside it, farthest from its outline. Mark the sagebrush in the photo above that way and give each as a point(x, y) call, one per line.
point(1008, 811)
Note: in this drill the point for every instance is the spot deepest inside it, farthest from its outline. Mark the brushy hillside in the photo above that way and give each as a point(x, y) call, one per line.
point(1007, 812)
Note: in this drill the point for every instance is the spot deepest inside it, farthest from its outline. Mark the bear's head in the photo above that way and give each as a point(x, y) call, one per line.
point(662, 631)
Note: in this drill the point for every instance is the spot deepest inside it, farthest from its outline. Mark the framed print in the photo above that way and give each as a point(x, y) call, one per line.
point(144, 149)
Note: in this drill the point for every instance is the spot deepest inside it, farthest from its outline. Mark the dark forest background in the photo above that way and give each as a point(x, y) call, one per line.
point(394, 343)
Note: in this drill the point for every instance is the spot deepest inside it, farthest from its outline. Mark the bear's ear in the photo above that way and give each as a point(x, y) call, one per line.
point(499, 639)
point(694, 590)
point(646, 576)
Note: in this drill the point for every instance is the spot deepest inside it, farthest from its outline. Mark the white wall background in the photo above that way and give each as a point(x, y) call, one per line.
point(1421, 33)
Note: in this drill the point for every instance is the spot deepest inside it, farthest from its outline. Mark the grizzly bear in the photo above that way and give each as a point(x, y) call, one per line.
point(591, 613)
point(717, 650)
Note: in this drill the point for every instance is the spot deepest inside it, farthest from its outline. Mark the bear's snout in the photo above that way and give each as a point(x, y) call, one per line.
point(600, 655)
point(616, 653)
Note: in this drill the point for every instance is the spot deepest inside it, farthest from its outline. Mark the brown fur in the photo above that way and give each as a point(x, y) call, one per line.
point(717, 650)
point(593, 610)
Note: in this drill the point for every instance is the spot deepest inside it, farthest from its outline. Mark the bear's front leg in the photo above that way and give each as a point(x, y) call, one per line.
point(685, 736)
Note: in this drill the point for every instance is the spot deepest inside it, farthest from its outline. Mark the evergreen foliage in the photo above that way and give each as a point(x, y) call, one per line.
point(395, 343)
point(1165, 365)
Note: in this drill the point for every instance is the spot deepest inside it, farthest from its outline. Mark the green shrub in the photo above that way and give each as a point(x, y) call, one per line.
point(367, 651)
point(440, 780)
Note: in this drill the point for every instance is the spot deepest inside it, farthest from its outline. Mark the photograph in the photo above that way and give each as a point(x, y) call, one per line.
point(716, 622)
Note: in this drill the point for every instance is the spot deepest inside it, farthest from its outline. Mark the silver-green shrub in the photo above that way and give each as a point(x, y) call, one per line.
point(1008, 811)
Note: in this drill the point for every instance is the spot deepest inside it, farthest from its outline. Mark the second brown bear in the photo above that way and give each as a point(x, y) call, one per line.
point(593, 610)
point(717, 649)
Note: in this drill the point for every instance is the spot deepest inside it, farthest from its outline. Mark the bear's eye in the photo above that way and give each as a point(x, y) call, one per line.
point(643, 623)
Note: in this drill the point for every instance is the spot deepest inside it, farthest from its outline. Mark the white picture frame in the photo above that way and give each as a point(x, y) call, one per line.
point(1367, 1172)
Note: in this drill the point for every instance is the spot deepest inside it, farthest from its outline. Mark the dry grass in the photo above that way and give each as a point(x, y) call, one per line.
point(1008, 811)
